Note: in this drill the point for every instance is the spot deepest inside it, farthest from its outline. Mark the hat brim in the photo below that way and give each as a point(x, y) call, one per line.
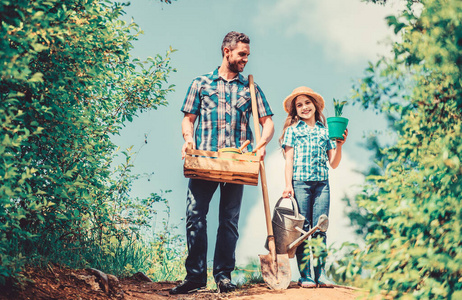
point(318, 98)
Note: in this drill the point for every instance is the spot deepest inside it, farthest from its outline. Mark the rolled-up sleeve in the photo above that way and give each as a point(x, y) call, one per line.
point(331, 144)
point(264, 109)
point(288, 138)
point(192, 101)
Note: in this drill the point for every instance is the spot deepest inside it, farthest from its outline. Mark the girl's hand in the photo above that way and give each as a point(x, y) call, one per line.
point(341, 142)
point(288, 192)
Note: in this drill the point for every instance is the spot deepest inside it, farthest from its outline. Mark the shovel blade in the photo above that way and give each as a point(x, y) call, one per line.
point(276, 273)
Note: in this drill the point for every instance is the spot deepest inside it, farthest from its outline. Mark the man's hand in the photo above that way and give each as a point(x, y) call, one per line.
point(262, 152)
point(261, 149)
point(185, 146)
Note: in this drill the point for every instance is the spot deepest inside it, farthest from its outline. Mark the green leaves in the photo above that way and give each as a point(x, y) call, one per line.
point(67, 85)
point(413, 225)
point(338, 107)
point(392, 21)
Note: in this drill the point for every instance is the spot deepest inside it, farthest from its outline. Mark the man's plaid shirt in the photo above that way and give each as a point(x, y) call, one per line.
point(310, 151)
point(224, 110)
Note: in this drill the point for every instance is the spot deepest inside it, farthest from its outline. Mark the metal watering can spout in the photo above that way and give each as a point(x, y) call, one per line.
point(323, 224)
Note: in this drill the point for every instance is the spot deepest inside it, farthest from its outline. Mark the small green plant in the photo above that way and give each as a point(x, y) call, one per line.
point(249, 274)
point(338, 107)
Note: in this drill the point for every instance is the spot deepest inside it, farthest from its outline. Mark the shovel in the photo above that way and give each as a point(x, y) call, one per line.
point(275, 268)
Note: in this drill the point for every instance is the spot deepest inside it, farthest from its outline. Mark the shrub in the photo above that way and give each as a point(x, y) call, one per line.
point(67, 84)
point(413, 236)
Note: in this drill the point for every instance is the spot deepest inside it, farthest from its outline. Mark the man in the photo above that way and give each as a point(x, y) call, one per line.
point(221, 103)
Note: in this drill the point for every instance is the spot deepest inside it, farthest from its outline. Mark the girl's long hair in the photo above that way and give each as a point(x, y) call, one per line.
point(293, 118)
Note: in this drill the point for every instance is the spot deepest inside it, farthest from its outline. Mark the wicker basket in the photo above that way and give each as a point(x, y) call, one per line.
point(222, 167)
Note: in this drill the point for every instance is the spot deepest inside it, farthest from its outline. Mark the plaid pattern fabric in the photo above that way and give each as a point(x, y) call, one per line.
point(224, 110)
point(310, 151)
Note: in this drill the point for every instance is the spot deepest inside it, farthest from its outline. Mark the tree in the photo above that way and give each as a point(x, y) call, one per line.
point(413, 242)
point(67, 84)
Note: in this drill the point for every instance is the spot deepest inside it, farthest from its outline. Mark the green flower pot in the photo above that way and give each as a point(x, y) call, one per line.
point(336, 126)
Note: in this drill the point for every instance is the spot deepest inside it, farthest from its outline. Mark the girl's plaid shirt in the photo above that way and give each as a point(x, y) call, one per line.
point(310, 151)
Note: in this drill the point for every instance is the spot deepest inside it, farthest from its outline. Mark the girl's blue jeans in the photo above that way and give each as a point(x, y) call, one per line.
point(313, 198)
point(200, 193)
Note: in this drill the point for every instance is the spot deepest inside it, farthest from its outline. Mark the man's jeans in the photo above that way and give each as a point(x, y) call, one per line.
point(313, 198)
point(200, 193)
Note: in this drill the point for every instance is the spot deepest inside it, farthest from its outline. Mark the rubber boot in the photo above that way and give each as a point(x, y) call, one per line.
point(305, 281)
point(321, 278)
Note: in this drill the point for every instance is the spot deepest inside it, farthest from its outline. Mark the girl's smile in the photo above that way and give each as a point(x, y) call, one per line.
point(305, 109)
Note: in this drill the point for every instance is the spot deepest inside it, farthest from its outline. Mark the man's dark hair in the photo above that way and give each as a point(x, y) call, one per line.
point(231, 39)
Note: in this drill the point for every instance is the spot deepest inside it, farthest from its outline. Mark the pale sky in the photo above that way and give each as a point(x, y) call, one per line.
point(325, 45)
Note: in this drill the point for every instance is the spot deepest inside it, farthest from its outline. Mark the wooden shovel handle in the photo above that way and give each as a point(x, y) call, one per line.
point(264, 187)
point(253, 97)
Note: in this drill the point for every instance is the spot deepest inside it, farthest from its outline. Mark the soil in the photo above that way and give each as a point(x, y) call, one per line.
point(91, 284)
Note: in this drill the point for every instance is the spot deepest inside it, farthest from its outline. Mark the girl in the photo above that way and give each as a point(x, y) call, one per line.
point(307, 149)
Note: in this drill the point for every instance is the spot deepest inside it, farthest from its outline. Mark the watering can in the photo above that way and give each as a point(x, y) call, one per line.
point(287, 227)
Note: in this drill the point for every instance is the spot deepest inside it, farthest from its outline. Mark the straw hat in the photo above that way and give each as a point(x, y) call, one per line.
point(303, 90)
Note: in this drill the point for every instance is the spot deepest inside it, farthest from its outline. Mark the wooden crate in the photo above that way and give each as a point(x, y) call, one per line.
point(222, 167)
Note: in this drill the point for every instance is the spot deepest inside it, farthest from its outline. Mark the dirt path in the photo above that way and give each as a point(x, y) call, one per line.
point(56, 283)
point(157, 291)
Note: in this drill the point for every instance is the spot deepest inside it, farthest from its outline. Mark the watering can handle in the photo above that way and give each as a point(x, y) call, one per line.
point(294, 205)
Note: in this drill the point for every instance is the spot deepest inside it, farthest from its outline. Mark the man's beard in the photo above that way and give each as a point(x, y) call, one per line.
point(234, 67)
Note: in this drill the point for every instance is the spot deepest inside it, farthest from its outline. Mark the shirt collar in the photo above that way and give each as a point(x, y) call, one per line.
point(317, 124)
point(240, 77)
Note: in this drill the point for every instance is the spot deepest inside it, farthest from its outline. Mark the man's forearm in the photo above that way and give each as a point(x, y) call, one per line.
point(187, 128)
point(267, 130)
point(187, 133)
